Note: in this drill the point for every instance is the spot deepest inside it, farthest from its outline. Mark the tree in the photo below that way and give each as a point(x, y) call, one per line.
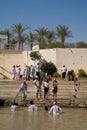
point(31, 39)
point(41, 33)
point(50, 35)
point(81, 45)
point(35, 56)
point(23, 39)
point(63, 32)
point(13, 42)
point(18, 29)
point(49, 68)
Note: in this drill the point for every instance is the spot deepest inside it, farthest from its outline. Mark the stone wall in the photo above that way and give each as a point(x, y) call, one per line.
point(71, 58)
point(8, 60)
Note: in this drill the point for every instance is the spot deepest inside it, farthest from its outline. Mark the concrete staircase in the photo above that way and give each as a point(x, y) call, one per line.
point(5, 74)
point(8, 88)
point(8, 58)
point(67, 96)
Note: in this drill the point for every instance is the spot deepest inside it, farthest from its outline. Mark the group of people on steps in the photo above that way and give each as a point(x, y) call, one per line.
point(39, 83)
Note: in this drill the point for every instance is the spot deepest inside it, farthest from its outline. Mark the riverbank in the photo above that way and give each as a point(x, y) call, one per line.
point(66, 97)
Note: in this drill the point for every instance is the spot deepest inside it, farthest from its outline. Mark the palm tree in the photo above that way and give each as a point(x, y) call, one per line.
point(18, 29)
point(41, 32)
point(23, 39)
point(13, 42)
point(63, 32)
point(31, 39)
point(50, 36)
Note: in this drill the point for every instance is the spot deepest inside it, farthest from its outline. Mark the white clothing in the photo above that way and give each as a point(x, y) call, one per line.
point(37, 68)
point(13, 73)
point(25, 73)
point(55, 110)
point(32, 71)
point(32, 108)
point(46, 84)
point(64, 69)
point(14, 107)
point(26, 70)
point(37, 86)
point(13, 70)
point(24, 89)
point(18, 70)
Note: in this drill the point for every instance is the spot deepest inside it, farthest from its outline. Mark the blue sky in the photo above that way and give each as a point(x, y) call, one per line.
point(48, 14)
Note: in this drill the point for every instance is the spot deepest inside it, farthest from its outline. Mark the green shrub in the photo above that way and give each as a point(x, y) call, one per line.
point(81, 73)
point(41, 74)
point(49, 68)
point(56, 75)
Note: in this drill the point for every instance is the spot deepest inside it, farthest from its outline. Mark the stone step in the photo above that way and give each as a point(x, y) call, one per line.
point(9, 89)
point(59, 81)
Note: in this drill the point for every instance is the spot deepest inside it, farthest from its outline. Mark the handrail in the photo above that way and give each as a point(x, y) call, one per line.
point(5, 72)
point(17, 95)
point(5, 69)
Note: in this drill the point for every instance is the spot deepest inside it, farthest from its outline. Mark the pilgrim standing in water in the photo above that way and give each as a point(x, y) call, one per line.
point(55, 109)
point(32, 107)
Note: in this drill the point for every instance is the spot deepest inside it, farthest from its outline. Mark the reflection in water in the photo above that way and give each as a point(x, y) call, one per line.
point(71, 119)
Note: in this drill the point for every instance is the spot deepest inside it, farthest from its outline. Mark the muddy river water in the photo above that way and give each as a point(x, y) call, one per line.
point(70, 119)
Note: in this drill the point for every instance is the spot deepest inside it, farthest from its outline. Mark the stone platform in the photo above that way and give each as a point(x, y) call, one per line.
point(66, 97)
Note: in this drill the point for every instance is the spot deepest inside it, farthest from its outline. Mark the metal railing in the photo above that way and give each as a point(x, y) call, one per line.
point(18, 96)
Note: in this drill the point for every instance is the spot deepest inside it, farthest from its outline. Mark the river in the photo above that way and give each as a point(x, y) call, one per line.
point(70, 119)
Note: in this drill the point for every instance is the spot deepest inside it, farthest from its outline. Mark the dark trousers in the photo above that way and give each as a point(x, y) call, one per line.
point(45, 91)
point(38, 74)
point(63, 75)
